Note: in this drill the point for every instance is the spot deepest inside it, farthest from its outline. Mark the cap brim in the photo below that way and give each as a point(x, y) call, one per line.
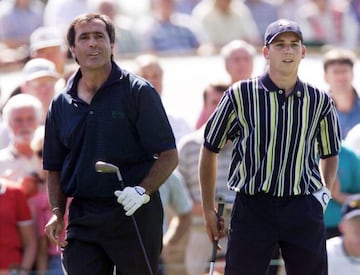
point(46, 44)
point(276, 35)
point(41, 74)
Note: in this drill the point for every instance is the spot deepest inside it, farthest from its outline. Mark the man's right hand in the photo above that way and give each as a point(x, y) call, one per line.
point(215, 227)
point(54, 228)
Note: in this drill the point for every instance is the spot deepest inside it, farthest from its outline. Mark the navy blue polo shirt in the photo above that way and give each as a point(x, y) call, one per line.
point(125, 124)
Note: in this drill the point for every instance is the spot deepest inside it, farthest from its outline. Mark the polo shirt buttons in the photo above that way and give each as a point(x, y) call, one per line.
point(298, 94)
point(91, 112)
point(281, 92)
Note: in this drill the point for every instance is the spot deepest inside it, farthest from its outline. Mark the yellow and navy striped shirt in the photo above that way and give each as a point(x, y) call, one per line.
point(277, 139)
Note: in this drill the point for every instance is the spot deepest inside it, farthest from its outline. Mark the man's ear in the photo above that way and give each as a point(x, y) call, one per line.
point(303, 51)
point(72, 51)
point(341, 227)
point(265, 52)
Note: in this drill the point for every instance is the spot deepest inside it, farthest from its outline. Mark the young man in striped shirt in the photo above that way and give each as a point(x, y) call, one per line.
point(286, 140)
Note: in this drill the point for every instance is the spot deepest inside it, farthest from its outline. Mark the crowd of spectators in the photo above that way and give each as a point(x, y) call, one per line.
point(32, 41)
point(174, 27)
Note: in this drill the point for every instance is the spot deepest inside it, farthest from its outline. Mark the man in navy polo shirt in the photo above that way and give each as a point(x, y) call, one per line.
point(106, 113)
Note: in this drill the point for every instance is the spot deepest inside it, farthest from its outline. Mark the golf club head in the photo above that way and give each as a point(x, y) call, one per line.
point(105, 167)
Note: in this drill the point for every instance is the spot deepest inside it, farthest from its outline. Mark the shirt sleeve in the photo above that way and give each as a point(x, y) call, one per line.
point(221, 125)
point(180, 200)
point(329, 135)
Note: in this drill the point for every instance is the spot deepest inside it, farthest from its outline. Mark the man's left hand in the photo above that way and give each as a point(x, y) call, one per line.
point(132, 198)
point(323, 196)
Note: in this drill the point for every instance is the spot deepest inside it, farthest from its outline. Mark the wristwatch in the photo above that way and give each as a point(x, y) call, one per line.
point(140, 190)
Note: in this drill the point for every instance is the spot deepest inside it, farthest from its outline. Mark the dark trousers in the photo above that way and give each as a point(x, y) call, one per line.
point(100, 237)
point(259, 223)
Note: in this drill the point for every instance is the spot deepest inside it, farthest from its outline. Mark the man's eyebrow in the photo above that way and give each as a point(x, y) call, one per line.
point(94, 32)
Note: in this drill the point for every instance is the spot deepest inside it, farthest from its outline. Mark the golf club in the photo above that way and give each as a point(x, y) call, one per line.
point(104, 167)
point(215, 244)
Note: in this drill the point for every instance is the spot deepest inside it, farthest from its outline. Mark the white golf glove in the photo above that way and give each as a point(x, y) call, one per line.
point(323, 196)
point(132, 198)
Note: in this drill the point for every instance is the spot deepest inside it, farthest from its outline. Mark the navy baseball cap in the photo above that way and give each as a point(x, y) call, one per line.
point(351, 207)
point(280, 26)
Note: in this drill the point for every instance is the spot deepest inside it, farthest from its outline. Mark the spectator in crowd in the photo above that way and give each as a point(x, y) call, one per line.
point(173, 192)
point(177, 207)
point(344, 251)
point(148, 66)
point(211, 97)
point(165, 32)
point(127, 42)
point(354, 7)
point(60, 13)
point(226, 20)
point(22, 115)
point(48, 260)
point(264, 12)
point(39, 79)
point(198, 249)
point(346, 184)
point(18, 19)
point(239, 57)
point(326, 22)
point(18, 246)
point(338, 67)
point(288, 9)
point(48, 43)
point(186, 6)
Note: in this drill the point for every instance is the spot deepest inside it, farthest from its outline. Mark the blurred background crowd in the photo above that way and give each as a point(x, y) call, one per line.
point(191, 51)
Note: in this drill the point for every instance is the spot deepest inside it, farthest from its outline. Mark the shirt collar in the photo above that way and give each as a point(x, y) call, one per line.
point(269, 86)
point(115, 75)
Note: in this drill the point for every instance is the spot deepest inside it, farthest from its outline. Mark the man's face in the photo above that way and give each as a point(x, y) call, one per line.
point(285, 53)
point(239, 65)
point(339, 76)
point(213, 98)
point(23, 122)
point(92, 45)
point(43, 88)
point(154, 75)
point(350, 229)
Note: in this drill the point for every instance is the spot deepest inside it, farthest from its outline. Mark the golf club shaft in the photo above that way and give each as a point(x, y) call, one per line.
point(104, 167)
point(137, 231)
point(216, 242)
point(142, 245)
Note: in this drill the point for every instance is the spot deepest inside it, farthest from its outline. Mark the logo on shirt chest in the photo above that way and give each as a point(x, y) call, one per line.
point(117, 115)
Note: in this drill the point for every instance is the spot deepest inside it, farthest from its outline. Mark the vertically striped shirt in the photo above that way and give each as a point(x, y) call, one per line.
point(277, 139)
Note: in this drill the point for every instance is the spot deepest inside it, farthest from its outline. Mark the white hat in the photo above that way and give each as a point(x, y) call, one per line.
point(39, 67)
point(44, 37)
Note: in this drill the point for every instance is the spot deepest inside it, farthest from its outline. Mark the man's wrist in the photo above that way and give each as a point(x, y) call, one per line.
point(140, 190)
point(57, 211)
